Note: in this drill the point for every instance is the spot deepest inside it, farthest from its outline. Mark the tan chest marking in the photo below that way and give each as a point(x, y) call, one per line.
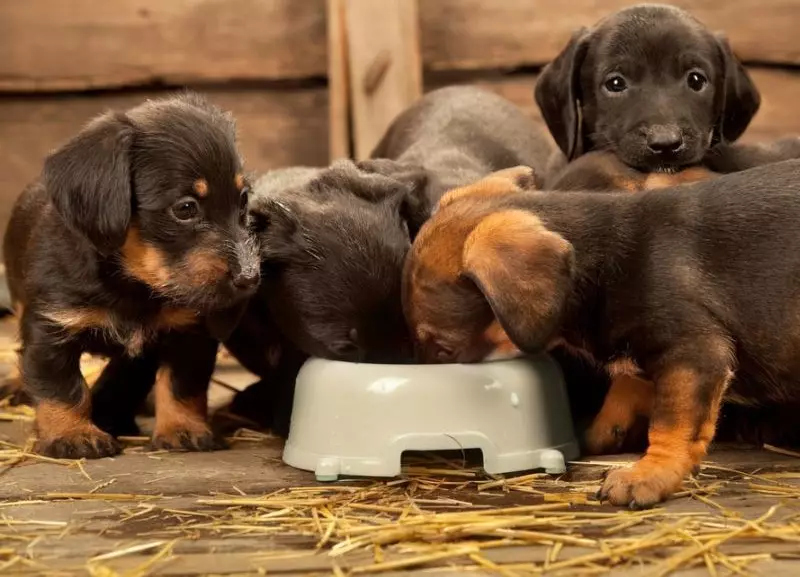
point(132, 337)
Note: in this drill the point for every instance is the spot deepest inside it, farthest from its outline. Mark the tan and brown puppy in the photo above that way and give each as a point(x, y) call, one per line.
point(685, 287)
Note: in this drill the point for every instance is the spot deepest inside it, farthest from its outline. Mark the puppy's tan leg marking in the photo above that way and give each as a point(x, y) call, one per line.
point(658, 180)
point(681, 428)
point(629, 398)
point(67, 432)
point(180, 423)
point(496, 184)
point(238, 181)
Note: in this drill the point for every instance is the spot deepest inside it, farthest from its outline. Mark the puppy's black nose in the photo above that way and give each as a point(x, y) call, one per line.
point(664, 139)
point(246, 279)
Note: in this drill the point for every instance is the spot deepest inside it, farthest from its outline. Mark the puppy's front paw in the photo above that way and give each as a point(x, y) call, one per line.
point(88, 443)
point(643, 485)
point(196, 438)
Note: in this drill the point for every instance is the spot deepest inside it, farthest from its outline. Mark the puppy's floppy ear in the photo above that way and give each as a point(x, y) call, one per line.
point(89, 181)
point(558, 95)
point(737, 97)
point(526, 273)
point(276, 225)
point(414, 204)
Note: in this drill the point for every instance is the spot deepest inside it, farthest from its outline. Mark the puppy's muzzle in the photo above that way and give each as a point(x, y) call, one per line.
point(245, 268)
point(664, 140)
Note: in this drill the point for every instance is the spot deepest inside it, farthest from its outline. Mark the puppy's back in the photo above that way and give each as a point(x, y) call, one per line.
point(26, 215)
point(466, 129)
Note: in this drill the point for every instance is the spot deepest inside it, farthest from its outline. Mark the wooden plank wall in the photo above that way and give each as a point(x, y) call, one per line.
point(266, 60)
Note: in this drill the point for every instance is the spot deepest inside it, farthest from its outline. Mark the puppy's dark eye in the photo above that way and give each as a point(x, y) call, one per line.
point(243, 198)
point(615, 83)
point(186, 209)
point(696, 81)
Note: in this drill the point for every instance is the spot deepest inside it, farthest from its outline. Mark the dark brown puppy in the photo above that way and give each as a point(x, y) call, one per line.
point(334, 239)
point(685, 287)
point(132, 244)
point(458, 135)
point(656, 88)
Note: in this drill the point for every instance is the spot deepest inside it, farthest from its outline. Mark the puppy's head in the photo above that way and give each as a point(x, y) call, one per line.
point(650, 83)
point(333, 249)
point(485, 279)
point(160, 190)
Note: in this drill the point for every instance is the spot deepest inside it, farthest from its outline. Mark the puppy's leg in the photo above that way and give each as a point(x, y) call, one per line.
point(52, 375)
point(688, 393)
point(628, 399)
point(181, 392)
point(121, 390)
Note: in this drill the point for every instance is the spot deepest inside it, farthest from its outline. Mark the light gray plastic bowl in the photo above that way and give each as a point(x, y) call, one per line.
point(357, 419)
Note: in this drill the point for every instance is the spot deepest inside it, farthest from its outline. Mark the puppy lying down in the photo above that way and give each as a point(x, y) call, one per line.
point(692, 288)
point(657, 91)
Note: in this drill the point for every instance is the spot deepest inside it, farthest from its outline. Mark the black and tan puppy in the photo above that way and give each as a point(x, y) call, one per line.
point(132, 244)
point(655, 88)
point(692, 288)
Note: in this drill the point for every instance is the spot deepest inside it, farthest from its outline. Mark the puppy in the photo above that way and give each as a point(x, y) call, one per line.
point(458, 135)
point(132, 244)
point(685, 287)
point(334, 239)
point(656, 88)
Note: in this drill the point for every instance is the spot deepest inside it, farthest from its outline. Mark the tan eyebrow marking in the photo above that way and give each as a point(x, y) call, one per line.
point(201, 187)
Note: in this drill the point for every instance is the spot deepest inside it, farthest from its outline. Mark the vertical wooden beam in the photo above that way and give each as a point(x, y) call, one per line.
point(338, 81)
point(385, 65)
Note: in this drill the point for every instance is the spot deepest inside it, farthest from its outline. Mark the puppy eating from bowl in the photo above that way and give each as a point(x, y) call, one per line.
point(694, 286)
point(132, 244)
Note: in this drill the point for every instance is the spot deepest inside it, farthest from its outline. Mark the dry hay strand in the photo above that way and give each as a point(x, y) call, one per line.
point(426, 520)
point(415, 522)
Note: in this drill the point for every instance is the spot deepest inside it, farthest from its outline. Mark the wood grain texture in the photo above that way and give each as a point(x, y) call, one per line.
point(479, 34)
point(385, 65)
point(338, 82)
point(776, 118)
point(276, 128)
point(58, 45)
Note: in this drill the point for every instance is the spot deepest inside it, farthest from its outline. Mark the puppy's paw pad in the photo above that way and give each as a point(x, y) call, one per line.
point(187, 440)
point(91, 444)
point(641, 486)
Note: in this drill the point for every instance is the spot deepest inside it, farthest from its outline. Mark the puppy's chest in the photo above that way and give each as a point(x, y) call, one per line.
point(130, 330)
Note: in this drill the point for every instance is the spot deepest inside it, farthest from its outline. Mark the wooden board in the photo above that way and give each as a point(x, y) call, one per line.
point(384, 64)
point(479, 34)
point(276, 128)
point(58, 45)
point(776, 118)
point(338, 82)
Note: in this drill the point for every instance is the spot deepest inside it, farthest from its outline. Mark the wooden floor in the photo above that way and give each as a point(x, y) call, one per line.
point(242, 511)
